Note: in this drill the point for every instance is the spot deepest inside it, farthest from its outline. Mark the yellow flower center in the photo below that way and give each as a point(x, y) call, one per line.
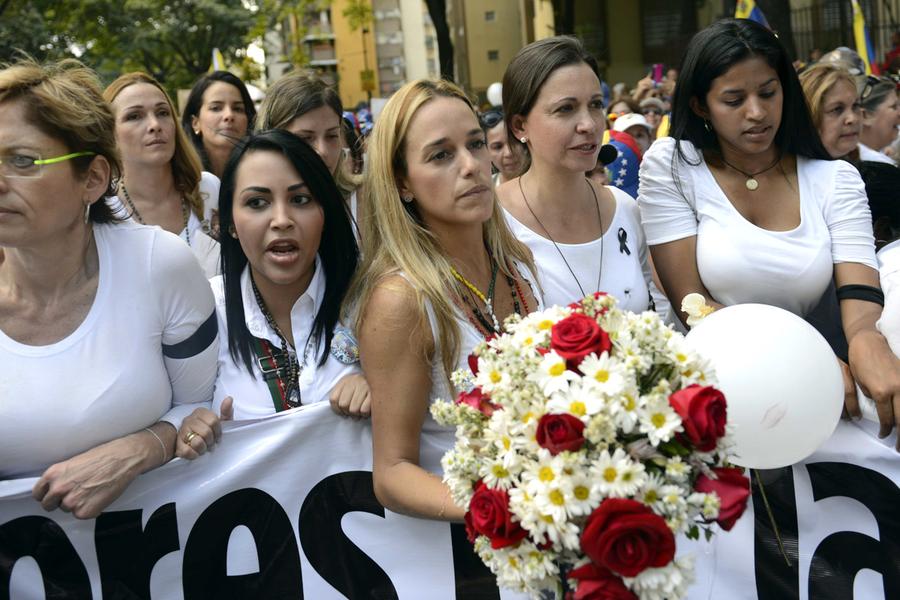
point(658, 420)
point(546, 474)
point(513, 562)
point(651, 496)
point(547, 519)
point(528, 341)
point(527, 417)
point(557, 498)
point(602, 376)
point(545, 324)
point(681, 357)
point(578, 408)
point(581, 492)
point(626, 476)
point(506, 443)
point(610, 474)
point(558, 369)
point(496, 377)
point(687, 373)
point(499, 471)
point(629, 402)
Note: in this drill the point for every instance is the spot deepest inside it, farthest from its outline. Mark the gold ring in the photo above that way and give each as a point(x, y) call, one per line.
point(190, 436)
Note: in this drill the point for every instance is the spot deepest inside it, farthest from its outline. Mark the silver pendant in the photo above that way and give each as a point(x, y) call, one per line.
point(293, 396)
point(752, 184)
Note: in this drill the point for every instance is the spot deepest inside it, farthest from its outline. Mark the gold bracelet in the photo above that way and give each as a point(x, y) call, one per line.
point(161, 444)
point(444, 504)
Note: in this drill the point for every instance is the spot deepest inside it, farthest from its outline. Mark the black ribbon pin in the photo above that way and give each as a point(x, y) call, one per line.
point(623, 242)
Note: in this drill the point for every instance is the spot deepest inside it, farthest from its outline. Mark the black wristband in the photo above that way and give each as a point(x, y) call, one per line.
point(856, 291)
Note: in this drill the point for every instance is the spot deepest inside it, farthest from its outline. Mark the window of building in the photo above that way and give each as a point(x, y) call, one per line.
point(493, 55)
point(668, 27)
point(490, 15)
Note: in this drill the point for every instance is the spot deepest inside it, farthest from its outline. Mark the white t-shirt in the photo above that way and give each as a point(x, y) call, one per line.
point(435, 438)
point(205, 248)
point(870, 155)
point(252, 398)
point(621, 253)
point(739, 262)
point(145, 352)
point(889, 270)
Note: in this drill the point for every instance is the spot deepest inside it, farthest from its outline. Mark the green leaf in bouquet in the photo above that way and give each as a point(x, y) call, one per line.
point(694, 533)
point(673, 448)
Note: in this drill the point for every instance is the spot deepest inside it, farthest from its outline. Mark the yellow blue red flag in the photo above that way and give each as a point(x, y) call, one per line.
point(747, 9)
point(864, 46)
point(218, 61)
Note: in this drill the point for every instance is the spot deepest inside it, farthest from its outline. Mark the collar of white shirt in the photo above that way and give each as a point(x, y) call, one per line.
point(303, 313)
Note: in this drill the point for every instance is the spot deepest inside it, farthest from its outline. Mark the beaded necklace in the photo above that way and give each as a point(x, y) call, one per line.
point(485, 327)
point(137, 216)
point(295, 369)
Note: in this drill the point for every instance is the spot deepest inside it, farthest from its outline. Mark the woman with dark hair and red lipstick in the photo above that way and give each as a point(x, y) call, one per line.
point(743, 203)
point(585, 237)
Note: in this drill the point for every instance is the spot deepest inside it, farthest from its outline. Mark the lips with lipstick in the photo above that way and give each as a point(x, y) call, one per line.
point(757, 131)
point(474, 191)
point(283, 250)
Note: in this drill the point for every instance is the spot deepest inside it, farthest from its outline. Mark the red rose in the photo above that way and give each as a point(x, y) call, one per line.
point(598, 583)
point(576, 336)
point(560, 432)
point(473, 364)
point(477, 400)
point(733, 490)
point(703, 414)
point(626, 537)
point(489, 515)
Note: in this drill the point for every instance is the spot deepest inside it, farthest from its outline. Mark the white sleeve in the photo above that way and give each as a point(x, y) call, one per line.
point(209, 192)
point(190, 341)
point(848, 218)
point(666, 213)
point(889, 323)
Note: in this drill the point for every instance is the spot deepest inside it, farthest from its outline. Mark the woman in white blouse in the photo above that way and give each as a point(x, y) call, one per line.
point(585, 237)
point(288, 254)
point(743, 204)
point(162, 182)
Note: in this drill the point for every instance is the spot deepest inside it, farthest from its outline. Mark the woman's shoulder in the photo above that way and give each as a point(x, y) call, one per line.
point(664, 150)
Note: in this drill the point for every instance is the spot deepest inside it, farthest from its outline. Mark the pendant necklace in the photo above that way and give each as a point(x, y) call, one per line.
point(295, 369)
point(185, 212)
point(558, 249)
point(751, 183)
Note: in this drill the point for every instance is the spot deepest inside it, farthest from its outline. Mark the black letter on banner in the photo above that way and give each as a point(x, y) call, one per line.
point(473, 578)
point(127, 552)
point(339, 561)
point(204, 570)
point(842, 555)
point(62, 571)
point(775, 580)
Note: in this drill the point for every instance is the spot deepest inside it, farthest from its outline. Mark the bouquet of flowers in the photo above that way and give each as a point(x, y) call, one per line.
point(587, 438)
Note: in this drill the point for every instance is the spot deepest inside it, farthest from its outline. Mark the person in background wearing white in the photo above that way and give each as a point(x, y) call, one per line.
point(108, 335)
point(638, 128)
point(161, 182)
point(881, 116)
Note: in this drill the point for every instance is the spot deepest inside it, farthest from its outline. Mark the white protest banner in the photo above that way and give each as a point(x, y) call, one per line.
point(284, 508)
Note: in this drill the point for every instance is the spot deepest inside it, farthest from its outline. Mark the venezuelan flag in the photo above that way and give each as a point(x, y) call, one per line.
point(218, 61)
point(864, 46)
point(747, 9)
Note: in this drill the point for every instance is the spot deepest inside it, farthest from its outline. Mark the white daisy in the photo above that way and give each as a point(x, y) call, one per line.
point(614, 475)
point(659, 421)
point(580, 399)
point(552, 375)
point(603, 372)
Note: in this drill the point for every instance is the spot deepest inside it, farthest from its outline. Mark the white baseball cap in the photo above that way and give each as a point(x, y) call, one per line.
point(630, 120)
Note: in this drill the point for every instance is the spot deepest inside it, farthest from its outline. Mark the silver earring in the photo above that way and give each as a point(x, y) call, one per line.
point(707, 126)
point(407, 199)
point(523, 139)
point(87, 213)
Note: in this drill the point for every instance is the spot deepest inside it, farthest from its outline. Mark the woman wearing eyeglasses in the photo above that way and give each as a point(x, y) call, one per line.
point(161, 182)
point(506, 162)
point(108, 336)
point(744, 204)
point(881, 117)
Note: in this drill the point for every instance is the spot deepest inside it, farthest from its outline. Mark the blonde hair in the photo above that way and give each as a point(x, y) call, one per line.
point(294, 95)
point(63, 100)
point(817, 81)
point(396, 240)
point(186, 165)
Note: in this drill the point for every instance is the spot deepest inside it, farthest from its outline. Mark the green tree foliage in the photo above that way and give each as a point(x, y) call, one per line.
point(170, 39)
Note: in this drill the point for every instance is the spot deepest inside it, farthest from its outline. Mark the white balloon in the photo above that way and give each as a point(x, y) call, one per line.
point(495, 93)
point(781, 380)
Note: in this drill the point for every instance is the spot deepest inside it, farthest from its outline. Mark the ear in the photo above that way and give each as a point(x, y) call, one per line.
point(699, 109)
point(96, 180)
point(518, 125)
point(195, 124)
point(403, 188)
point(867, 117)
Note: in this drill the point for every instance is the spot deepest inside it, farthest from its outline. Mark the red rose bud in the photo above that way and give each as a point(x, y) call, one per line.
point(733, 490)
point(489, 515)
point(703, 413)
point(477, 400)
point(627, 537)
point(473, 364)
point(598, 583)
point(562, 432)
point(576, 336)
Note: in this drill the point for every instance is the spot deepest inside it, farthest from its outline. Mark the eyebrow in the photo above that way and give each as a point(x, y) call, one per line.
point(574, 99)
point(157, 105)
point(313, 131)
point(265, 190)
point(762, 85)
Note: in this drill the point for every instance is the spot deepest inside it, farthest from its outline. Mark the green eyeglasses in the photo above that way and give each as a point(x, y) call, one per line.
point(30, 166)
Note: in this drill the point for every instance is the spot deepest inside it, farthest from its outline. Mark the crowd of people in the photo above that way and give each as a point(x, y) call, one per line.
point(300, 277)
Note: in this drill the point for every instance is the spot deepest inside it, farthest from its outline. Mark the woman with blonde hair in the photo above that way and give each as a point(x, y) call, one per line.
point(161, 183)
point(308, 107)
point(441, 272)
point(108, 336)
point(833, 101)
